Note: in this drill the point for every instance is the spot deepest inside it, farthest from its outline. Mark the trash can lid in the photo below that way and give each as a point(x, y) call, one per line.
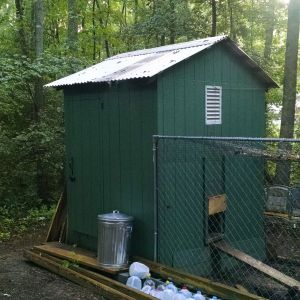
point(115, 216)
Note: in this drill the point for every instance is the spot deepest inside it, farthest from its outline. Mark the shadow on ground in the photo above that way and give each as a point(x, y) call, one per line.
point(20, 279)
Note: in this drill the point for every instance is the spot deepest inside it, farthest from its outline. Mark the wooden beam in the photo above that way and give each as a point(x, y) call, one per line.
point(241, 288)
point(276, 214)
point(75, 255)
point(258, 265)
point(57, 226)
point(206, 285)
point(216, 204)
point(136, 294)
point(76, 277)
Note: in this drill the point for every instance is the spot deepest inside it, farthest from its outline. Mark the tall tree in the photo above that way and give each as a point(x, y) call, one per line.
point(39, 48)
point(270, 24)
point(72, 26)
point(289, 87)
point(213, 18)
point(172, 22)
point(94, 30)
point(232, 31)
point(42, 183)
point(20, 25)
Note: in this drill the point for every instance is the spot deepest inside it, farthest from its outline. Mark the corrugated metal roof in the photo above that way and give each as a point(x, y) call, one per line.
point(144, 63)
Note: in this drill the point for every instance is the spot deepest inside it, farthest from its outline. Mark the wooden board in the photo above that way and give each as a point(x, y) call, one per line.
point(57, 227)
point(206, 285)
point(134, 293)
point(216, 204)
point(76, 277)
point(276, 214)
point(76, 255)
point(258, 265)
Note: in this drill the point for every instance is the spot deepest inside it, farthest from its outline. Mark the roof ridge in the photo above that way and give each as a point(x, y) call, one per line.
point(168, 48)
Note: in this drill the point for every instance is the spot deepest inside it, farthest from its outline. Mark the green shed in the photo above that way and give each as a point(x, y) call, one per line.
point(206, 87)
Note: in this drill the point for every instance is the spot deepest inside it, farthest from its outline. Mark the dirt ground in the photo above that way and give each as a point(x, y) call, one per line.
point(20, 279)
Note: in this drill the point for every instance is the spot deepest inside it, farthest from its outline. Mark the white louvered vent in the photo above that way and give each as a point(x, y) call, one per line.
point(213, 104)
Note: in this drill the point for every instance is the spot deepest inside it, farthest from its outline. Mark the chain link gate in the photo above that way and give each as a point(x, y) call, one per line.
point(221, 199)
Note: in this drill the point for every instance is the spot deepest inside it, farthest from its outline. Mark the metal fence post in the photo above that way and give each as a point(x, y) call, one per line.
point(154, 149)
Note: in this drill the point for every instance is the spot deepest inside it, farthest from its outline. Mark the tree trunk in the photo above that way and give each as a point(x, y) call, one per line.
point(94, 31)
point(39, 47)
point(72, 26)
point(21, 30)
point(289, 88)
point(104, 24)
point(41, 180)
point(270, 23)
point(213, 18)
point(162, 40)
point(172, 22)
point(136, 8)
point(107, 51)
point(231, 20)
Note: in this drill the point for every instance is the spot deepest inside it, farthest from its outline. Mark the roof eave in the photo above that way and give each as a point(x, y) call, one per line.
point(270, 83)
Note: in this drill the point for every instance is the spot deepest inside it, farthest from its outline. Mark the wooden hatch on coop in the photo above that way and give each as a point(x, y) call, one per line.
point(217, 206)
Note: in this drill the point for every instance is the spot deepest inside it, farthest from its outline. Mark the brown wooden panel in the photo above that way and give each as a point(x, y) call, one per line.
point(77, 255)
point(57, 227)
point(216, 204)
point(258, 265)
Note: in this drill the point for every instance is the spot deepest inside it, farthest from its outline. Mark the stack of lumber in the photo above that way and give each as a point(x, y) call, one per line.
point(81, 267)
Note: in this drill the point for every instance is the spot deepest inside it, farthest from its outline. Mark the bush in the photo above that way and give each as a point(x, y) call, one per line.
point(14, 222)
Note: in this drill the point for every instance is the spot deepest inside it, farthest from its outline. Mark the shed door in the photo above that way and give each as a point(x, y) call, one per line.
point(84, 118)
point(186, 176)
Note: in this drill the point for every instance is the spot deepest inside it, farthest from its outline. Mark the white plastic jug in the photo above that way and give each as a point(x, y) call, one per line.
point(149, 282)
point(156, 294)
point(172, 287)
point(185, 292)
point(138, 269)
point(179, 296)
point(134, 282)
point(168, 294)
point(198, 296)
point(147, 289)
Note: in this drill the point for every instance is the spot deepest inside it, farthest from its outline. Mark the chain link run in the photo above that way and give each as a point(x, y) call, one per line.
point(240, 195)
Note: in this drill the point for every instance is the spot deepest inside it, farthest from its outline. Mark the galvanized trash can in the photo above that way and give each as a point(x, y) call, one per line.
point(114, 234)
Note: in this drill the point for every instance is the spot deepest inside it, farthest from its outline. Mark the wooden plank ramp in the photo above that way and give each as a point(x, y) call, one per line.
point(58, 253)
point(208, 286)
point(75, 255)
point(100, 284)
point(258, 265)
point(111, 287)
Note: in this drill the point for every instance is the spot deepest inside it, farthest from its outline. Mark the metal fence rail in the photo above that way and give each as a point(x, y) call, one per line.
point(220, 201)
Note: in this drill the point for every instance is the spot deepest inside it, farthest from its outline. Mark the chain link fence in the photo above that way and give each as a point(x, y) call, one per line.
point(226, 204)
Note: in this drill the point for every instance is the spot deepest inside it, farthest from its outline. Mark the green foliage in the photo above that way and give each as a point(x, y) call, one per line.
point(15, 222)
point(65, 263)
point(31, 146)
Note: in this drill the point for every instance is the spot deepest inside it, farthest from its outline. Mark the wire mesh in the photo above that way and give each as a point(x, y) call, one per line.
point(241, 195)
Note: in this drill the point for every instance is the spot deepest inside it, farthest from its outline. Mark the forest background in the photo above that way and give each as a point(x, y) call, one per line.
point(41, 41)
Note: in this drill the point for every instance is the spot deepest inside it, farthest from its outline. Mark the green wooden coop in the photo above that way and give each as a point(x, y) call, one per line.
point(113, 109)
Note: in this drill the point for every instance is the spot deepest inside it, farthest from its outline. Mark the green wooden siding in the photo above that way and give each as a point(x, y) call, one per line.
point(181, 97)
point(181, 111)
point(109, 136)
